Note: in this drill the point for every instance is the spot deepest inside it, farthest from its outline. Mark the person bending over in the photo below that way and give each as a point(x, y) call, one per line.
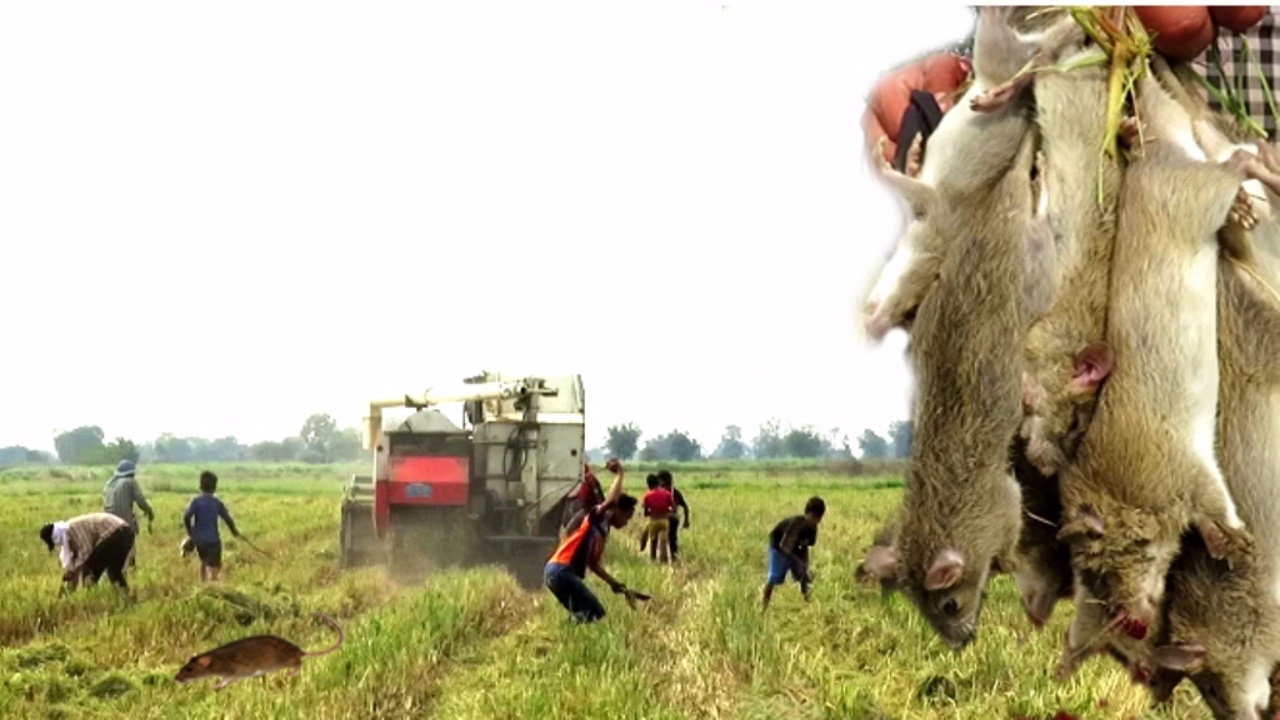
point(583, 547)
point(789, 544)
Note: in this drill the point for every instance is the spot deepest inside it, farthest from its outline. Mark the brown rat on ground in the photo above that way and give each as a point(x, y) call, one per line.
point(251, 657)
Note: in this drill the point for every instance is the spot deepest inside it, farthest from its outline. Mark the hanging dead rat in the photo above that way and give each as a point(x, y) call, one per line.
point(1146, 470)
point(957, 155)
point(1066, 357)
point(961, 510)
point(251, 657)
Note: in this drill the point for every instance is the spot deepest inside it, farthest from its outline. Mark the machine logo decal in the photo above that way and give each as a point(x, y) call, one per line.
point(418, 490)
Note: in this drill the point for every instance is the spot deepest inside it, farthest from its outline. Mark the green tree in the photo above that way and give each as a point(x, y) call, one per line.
point(346, 445)
point(120, 449)
point(804, 442)
point(731, 446)
point(873, 446)
point(19, 455)
point(623, 441)
point(768, 441)
point(675, 445)
point(900, 438)
point(318, 434)
point(226, 449)
point(172, 449)
point(82, 446)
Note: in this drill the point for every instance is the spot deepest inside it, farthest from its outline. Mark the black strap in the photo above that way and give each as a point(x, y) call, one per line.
point(920, 118)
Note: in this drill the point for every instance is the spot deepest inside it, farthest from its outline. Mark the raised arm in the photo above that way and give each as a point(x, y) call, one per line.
point(615, 490)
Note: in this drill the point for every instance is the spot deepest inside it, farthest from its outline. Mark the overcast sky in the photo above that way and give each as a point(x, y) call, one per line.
point(220, 218)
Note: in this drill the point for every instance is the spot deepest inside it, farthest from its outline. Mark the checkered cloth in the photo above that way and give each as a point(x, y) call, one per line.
point(1263, 42)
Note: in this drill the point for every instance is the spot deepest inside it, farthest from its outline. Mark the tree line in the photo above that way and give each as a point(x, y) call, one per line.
point(772, 441)
point(319, 441)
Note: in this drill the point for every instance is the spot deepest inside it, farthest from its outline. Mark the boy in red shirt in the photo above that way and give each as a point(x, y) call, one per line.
point(659, 506)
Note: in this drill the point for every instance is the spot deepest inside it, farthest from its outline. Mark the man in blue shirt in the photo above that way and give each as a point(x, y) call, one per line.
point(201, 521)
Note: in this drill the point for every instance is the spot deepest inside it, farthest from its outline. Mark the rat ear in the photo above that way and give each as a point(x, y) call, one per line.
point(948, 566)
point(882, 562)
point(1214, 539)
point(1087, 522)
point(919, 196)
point(1182, 658)
point(1092, 365)
point(204, 661)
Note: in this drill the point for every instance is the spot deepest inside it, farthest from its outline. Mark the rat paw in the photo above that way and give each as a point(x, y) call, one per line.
point(994, 98)
point(1130, 133)
point(915, 156)
point(1242, 212)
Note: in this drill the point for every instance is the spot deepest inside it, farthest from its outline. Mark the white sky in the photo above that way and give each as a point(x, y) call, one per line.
point(220, 218)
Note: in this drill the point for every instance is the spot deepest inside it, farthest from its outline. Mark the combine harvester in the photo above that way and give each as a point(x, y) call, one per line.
point(445, 495)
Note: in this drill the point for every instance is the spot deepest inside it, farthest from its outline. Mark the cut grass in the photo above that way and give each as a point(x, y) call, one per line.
point(474, 645)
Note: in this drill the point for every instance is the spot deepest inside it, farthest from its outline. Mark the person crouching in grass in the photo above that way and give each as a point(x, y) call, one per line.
point(201, 521)
point(90, 546)
point(789, 544)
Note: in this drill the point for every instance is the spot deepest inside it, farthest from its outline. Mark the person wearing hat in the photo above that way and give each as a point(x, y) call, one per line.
point(119, 496)
point(91, 545)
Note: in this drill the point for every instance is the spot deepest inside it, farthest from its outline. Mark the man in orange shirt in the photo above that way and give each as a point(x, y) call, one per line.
point(582, 548)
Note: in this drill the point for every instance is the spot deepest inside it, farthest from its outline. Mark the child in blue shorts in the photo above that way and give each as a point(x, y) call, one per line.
point(789, 544)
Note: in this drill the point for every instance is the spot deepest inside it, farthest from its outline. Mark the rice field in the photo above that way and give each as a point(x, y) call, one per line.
point(473, 644)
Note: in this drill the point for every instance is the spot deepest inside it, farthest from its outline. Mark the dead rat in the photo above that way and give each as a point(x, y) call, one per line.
point(957, 154)
point(251, 657)
point(1146, 469)
point(1042, 570)
point(962, 508)
point(1221, 623)
point(1066, 356)
point(1224, 621)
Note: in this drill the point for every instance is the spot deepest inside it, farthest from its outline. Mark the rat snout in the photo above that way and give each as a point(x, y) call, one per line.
point(876, 324)
point(1135, 623)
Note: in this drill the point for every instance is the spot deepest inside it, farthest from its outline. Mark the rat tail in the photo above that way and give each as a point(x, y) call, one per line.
point(341, 636)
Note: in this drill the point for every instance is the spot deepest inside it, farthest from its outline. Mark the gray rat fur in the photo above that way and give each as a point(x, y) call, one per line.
point(1066, 356)
point(1146, 469)
point(961, 510)
point(956, 154)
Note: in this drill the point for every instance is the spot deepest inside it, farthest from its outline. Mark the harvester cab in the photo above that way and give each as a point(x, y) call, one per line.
point(492, 488)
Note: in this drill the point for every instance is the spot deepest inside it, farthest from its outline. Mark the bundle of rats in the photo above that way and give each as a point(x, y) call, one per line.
point(1095, 345)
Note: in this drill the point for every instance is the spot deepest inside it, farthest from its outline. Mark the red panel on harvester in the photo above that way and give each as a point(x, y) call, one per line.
point(427, 480)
